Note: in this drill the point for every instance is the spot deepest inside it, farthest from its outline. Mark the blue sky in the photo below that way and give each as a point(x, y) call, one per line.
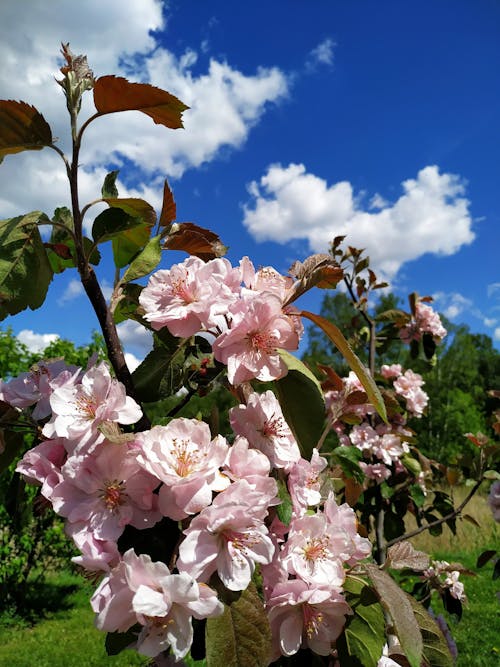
point(379, 120)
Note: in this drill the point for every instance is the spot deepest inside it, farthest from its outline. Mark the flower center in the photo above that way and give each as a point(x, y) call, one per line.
point(274, 427)
point(313, 619)
point(113, 494)
point(316, 549)
point(186, 460)
point(182, 291)
point(86, 406)
point(263, 341)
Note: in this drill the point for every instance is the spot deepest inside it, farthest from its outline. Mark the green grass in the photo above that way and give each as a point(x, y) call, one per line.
point(63, 635)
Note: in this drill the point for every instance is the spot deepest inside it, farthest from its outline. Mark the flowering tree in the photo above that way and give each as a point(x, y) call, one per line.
point(252, 546)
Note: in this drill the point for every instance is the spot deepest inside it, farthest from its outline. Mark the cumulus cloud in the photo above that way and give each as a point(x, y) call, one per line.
point(225, 103)
point(134, 335)
point(36, 342)
point(132, 361)
point(431, 216)
point(322, 54)
point(496, 334)
point(73, 290)
point(455, 305)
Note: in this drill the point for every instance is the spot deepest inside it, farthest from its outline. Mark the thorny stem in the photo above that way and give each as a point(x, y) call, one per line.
point(437, 522)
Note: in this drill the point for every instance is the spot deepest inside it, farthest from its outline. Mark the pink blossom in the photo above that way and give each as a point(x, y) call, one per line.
point(303, 615)
point(426, 320)
point(409, 386)
point(344, 536)
point(34, 387)
point(81, 404)
point(95, 555)
point(364, 437)
point(312, 552)
point(251, 465)
point(187, 297)
point(376, 471)
point(390, 448)
point(304, 483)
point(228, 537)
point(250, 347)
point(184, 457)
point(141, 591)
point(42, 464)
point(392, 371)
point(107, 490)
point(261, 421)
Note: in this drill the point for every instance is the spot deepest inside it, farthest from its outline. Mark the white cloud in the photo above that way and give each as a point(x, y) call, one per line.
point(73, 290)
point(452, 304)
point(496, 334)
point(36, 342)
point(493, 289)
point(225, 103)
point(322, 54)
point(132, 361)
point(431, 216)
point(134, 335)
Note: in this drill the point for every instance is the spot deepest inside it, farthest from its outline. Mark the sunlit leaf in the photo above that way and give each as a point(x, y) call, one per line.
point(128, 243)
point(241, 637)
point(145, 262)
point(135, 207)
point(363, 639)
point(168, 209)
point(195, 240)
point(25, 271)
point(302, 403)
point(114, 93)
point(336, 336)
point(396, 603)
point(22, 128)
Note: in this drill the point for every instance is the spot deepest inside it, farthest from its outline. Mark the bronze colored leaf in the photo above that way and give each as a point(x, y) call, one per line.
point(169, 209)
point(114, 93)
point(22, 128)
point(195, 240)
point(403, 555)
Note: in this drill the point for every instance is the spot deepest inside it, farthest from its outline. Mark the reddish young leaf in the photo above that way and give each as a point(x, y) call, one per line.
point(114, 93)
point(22, 128)
point(195, 241)
point(168, 209)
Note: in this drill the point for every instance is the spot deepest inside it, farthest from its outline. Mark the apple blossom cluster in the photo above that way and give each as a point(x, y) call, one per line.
point(225, 496)
point(382, 445)
point(242, 308)
point(425, 320)
point(441, 576)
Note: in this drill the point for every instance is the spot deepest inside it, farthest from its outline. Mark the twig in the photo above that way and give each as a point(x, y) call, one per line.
point(437, 522)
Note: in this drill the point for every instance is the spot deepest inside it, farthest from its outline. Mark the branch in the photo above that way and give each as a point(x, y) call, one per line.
point(437, 522)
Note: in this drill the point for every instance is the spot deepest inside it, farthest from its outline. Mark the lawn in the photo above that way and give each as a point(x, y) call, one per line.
point(58, 630)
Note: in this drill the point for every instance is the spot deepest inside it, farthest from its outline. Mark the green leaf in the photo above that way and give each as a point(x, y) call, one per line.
point(241, 637)
point(336, 336)
point(135, 207)
point(129, 243)
point(145, 262)
point(160, 374)
point(396, 603)
point(25, 271)
point(302, 403)
point(483, 558)
point(348, 459)
point(22, 128)
point(109, 188)
point(126, 308)
point(363, 639)
point(436, 651)
point(111, 222)
point(285, 509)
